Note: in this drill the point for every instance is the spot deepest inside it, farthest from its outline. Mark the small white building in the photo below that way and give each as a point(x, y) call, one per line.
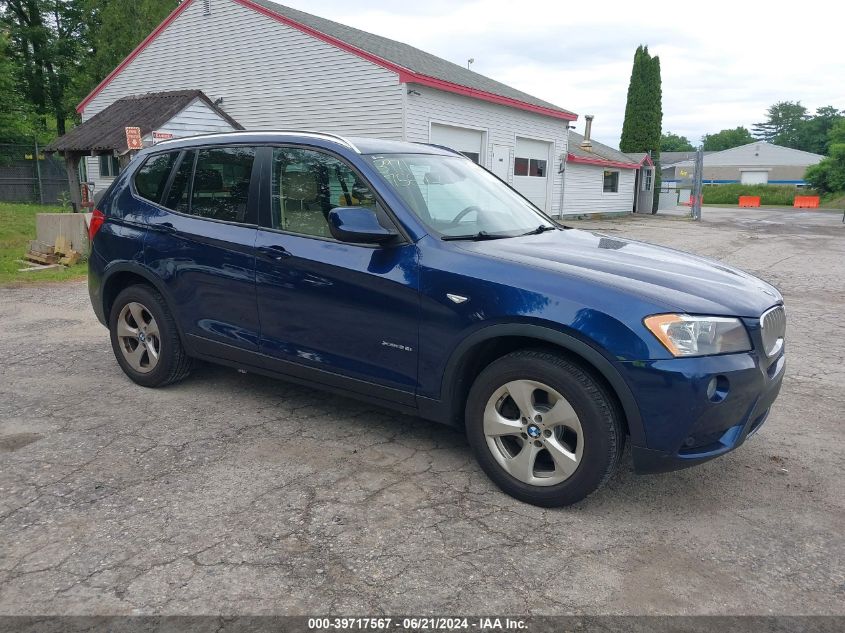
point(602, 180)
point(272, 67)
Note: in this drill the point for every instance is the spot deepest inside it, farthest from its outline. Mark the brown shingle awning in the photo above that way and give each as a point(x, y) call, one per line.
point(106, 131)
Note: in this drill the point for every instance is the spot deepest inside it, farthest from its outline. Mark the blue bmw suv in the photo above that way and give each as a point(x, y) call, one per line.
point(409, 276)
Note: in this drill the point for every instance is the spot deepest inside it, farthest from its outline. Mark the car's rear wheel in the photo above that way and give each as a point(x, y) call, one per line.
point(542, 428)
point(145, 340)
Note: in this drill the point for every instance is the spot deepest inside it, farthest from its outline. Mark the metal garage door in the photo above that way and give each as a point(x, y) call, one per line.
point(530, 170)
point(467, 142)
point(754, 177)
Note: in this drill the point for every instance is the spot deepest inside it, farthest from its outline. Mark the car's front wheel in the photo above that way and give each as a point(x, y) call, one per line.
point(542, 428)
point(145, 340)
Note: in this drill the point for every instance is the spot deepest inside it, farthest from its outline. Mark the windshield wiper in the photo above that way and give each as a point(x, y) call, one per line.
point(477, 237)
point(540, 229)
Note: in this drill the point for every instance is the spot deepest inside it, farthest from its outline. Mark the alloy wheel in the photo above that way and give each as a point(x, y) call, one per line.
point(139, 337)
point(533, 432)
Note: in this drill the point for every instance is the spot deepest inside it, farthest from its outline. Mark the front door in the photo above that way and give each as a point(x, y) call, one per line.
point(347, 311)
point(501, 161)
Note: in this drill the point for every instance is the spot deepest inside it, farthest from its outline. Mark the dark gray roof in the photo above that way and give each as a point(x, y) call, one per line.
point(406, 56)
point(670, 158)
point(600, 150)
point(105, 131)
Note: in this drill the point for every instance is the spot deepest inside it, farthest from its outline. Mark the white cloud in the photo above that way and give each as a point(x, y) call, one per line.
point(723, 63)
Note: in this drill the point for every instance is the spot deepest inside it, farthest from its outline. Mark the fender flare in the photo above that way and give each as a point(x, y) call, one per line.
point(577, 347)
point(136, 268)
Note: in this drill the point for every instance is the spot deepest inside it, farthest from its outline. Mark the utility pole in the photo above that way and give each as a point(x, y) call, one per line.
point(697, 185)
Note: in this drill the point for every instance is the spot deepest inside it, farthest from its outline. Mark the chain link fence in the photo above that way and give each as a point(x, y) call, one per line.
point(29, 175)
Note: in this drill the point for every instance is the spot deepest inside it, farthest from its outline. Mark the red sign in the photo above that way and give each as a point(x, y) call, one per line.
point(133, 138)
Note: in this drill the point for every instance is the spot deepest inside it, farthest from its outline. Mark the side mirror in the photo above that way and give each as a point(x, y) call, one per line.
point(358, 225)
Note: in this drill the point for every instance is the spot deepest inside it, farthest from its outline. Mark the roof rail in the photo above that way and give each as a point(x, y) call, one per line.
point(444, 147)
point(337, 138)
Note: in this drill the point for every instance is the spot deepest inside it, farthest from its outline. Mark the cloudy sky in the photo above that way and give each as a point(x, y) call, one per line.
point(723, 63)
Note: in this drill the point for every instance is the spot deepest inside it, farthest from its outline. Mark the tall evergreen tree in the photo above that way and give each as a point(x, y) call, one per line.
point(641, 129)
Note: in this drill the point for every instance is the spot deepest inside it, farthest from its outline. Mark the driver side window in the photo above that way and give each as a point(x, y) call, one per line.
point(307, 184)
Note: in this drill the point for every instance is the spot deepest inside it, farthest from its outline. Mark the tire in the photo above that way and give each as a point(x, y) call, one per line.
point(575, 448)
point(156, 357)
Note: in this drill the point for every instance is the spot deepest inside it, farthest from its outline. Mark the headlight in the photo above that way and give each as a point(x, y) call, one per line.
point(685, 335)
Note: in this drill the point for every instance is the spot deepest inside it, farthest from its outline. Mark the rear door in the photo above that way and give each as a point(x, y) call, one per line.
point(201, 244)
point(345, 311)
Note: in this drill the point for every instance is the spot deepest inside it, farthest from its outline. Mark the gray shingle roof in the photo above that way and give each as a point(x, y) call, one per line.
point(406, 56)
point(600, 150)
point(670, 158)
point(105, 131)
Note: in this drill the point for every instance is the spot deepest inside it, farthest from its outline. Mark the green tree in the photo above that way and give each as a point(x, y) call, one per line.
point(783, 124)
point(641, 129)
point(828, 176)
point(115, 28)
point(643, 110)
point(813, 134)
point(16, 120)
point(673, 143)
point(726, 139)
point(46, 39)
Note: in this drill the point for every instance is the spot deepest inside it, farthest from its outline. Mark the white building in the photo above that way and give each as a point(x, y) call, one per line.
point(602, 180)
point(757, 163)
point(272, 67)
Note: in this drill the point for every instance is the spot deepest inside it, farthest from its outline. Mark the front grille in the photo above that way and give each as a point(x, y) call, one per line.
point(773, 330)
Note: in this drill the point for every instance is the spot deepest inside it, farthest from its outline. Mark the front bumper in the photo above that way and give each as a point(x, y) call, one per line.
point(685, 420)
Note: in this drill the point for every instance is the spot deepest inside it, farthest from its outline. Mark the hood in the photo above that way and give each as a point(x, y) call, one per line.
point(679, 281)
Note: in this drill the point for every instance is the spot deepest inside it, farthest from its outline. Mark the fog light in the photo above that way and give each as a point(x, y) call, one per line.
point(717, 389)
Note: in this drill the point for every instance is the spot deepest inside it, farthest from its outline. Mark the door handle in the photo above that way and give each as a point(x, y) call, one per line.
point(275, 252)
point(164, 227)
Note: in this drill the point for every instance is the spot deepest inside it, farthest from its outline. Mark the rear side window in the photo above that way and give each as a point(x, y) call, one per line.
point(178, 195)
point(151, 178)
point(221, 183)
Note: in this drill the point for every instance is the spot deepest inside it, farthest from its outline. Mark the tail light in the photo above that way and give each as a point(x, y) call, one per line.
point(97, 219)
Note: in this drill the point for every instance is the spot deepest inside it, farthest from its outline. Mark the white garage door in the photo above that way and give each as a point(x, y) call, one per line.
point(531, 170)
point(467, 142)
point(750, 177)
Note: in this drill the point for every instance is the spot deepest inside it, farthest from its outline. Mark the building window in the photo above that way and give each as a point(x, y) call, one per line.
point(529, 167)
point(647, 180)
point(611, 182)
point(473, 156)
point(109, 166)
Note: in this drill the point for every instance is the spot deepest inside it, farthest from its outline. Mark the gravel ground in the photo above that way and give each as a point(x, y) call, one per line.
point(234, 493)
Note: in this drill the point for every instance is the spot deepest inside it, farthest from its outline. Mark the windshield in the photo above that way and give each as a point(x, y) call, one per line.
point(455, 197)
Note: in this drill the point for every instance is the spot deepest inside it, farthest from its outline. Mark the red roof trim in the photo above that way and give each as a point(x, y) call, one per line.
point(647, 161)
point(409, 76)
point(147, 40)
point(601, 162)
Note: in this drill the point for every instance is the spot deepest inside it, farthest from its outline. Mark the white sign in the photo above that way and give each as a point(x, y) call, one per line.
point(158, 137)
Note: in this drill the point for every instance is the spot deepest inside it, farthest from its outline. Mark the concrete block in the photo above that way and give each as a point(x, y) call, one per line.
point(49, 226)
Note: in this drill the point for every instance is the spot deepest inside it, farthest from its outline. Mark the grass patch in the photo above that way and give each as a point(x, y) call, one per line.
point(17, 228)
point(834, 201)
point(770, 195)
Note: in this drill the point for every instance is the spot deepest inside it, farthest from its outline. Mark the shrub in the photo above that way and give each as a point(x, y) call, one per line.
point(777, 195)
